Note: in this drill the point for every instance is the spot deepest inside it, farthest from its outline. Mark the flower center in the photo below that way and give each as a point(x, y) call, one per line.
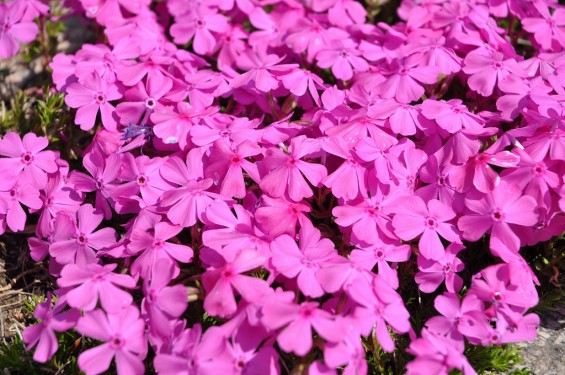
point(447, 268)
point(141, 180)
point(497, 215)
point(431, 222)
point(27, 158)
point(117, 342)
point(150, 103)
point(100, 98)
point(13, 193)
point(538, 169)
point(497, 296)
point(81, 239)
point(379, 254)
point(441, 181)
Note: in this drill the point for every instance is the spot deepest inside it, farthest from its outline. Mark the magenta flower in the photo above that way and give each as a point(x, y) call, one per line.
point(187, 203)
point(279, 216)
point(92, 283)
point(149, 241)
point(437, 355)
point(430, 220)
point(452, 115)
point(226, 167)
point(504, 284)
point(478, 173)
point(13, 199)
point(163, 303)
point(105, 173)
point(298, 321)
point(143, 97)
point(124, 339)
point(174, 126)
point(349, 179)
point(262, 70)
point(452, 311)
point(369, 219)
point(14, 29)
point(76, 242)
point(25, 160)
point(406, 79)
point(286, 172)
point(203, 24)
point(303, 262)
point(433, 272)
point(549, 29)
point(379, 305)
point(495, 212)
point(53, 319)
point(343, 57)
point(90, 97)
point(487, 68)
point(225, 274)
point(379, 254)
point(141, 176)
point(57, 197)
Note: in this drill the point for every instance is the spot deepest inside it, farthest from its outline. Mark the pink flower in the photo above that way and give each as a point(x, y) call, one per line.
point(452, 115)
point(504, 284)
point(25, 159)
point(149, 241)
point(76, 242)
point(123, 335)
point(369, 218)
point(163, 303)
point(486, 68)
point(433, 272)
point(478, 173)
point(225, 273)
point(379, 304)
point(187, 203)
point(262, 69)
point(430, 220)
point(437, 355)
point(13, 29)
point(298, 321)
point(203, 24)
point(141, 176)
point(406, 79)
point(343, 58)
point(286, 172)
point(380, 253)
point(349, 179)
point(549, 29)
point(91, 96)
point(13, 199)
point(279, 216)
point(495, 211)
point(302, 263)
point(226, 165)
point(143, 98)
point(92, 283)
point(452, 311)
point(53, 319)
point(174, 126)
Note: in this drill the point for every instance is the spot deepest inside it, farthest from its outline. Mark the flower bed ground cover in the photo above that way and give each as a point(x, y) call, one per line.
point(280, 186)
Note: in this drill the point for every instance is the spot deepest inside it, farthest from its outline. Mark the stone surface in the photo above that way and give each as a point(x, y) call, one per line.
point(546, 355)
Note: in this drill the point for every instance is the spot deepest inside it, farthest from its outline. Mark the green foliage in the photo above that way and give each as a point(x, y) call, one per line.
point(50, 111)
point(494, 359)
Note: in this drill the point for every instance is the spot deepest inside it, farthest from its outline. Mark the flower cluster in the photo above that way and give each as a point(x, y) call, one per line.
point(285, 159)
point(17, 24)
